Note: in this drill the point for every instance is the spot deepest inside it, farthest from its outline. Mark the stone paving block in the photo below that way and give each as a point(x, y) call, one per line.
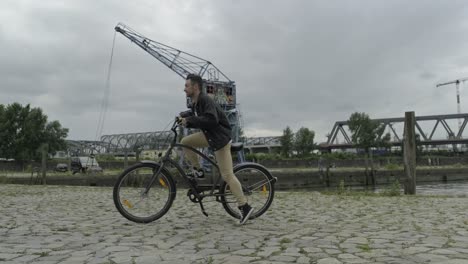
point(26, 258)
point(7, 256)
point(443, 251)
point(303, 260)
point(329, 261)
point(78, 259)
point(453, 261)
point(284, 259)
point(147, 260)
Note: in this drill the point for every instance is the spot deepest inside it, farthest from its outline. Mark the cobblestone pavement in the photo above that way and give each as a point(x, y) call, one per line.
point(58, 224)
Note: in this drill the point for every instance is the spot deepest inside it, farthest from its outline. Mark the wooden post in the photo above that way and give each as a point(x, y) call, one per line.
point(371, 159)
point(409, 153)
point(125, 158)
point(137, 154)
point(44, 149)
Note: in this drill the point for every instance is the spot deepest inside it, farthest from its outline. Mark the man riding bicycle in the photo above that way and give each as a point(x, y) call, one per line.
point(207, 116)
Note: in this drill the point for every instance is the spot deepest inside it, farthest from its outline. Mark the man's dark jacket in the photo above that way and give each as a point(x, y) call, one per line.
point(211, 120)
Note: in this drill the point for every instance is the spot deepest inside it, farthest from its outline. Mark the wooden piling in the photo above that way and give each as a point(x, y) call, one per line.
point(44, 150)
point(409, 153)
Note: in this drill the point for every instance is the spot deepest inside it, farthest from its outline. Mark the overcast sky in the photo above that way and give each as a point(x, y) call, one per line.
point(295, 63)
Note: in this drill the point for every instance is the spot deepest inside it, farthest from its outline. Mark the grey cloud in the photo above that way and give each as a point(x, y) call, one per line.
point(296, 63)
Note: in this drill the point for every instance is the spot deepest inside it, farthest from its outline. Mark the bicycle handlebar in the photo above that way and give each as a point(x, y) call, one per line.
point(174, 128)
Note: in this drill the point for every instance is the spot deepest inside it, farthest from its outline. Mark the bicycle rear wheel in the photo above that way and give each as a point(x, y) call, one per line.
point(258, 186)
point(133, 203)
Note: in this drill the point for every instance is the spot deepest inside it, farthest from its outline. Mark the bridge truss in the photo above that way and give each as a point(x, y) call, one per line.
point(428, 137)
point(119, 144)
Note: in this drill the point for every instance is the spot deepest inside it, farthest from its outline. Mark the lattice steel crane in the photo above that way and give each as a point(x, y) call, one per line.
point(457, 83)
point(215, 82)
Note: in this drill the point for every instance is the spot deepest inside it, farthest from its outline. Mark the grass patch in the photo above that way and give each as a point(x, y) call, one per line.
point(392, 166)
point(393, 190)
point(365, 247)
point(285, 240)
point(208, 260)
point(416, 227)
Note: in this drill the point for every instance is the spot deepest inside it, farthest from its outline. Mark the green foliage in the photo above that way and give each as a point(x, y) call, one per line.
point(367, 133)
point(392, 166)
point(339, 155)
point(393, 190)
point(304, 141)
point(287, 142)
point(341, 187)
point(364, 247)
point(262, 156)
point(105, 157)
point(24, 129)
point(54, 136)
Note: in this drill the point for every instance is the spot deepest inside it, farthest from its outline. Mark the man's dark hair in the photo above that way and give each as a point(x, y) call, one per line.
point(196, 79)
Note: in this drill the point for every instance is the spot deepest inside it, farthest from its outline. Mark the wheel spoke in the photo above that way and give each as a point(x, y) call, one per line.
point(139, 202)
point(258, 187)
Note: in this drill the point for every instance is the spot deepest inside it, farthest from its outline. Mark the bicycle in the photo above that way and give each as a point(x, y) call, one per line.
point(145, 191)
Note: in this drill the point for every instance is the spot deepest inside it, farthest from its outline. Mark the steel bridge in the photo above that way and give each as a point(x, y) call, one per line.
point(427, 137)
point(120, 144)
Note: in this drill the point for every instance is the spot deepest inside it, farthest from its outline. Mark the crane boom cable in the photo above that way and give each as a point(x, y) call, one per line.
point(105, 99)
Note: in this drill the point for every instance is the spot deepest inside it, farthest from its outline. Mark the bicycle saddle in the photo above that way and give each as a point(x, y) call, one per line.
point(237, 146)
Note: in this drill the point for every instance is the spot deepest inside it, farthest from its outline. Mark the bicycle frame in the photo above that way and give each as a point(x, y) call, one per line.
point(167, 159)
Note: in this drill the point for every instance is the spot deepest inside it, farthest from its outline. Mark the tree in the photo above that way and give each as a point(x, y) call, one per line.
point(24, 129)
point(366, 134)
point(55, 136)
point(287, 141)
point(304, 141)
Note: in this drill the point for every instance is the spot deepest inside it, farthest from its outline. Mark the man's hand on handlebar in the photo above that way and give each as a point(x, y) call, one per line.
point(181, 121)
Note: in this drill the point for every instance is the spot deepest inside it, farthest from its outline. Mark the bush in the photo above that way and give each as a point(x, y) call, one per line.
point(262, 156)
point(393, 190)
point(105, 157)
point(341, 188)
point(340, 155)
point(392, 166)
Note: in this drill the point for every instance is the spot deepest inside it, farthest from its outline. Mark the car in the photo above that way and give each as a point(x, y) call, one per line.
point(61, 167)
point(85, 164)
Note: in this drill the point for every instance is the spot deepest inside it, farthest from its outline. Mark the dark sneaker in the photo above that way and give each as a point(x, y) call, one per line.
point(196, 173)
point(246, 210)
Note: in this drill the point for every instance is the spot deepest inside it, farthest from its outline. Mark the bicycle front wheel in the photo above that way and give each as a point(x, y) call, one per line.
point(131, 198)
point(258, 186)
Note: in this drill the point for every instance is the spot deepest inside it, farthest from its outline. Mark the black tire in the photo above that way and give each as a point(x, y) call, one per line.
point(130, 185)
point(255, 179)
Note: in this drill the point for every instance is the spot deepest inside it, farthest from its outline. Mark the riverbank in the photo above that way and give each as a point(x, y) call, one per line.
point(288, 178)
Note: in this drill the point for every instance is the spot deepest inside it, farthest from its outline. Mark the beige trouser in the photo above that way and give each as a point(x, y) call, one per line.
point(224, 159)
